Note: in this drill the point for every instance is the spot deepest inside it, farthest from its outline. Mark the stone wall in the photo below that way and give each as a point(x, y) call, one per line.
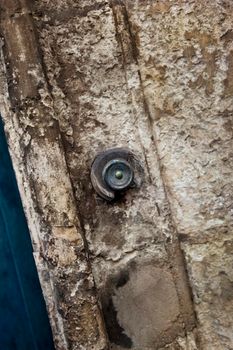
point(154, 269)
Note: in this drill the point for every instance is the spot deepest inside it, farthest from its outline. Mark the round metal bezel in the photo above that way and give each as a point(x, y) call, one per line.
point(109, 174)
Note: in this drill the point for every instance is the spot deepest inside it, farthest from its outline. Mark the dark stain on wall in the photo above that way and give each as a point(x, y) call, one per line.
point(115, 331)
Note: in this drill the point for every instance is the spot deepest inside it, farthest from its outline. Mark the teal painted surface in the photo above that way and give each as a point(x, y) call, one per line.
point(24, 322)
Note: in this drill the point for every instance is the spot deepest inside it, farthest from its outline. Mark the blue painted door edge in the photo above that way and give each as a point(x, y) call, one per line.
point(24, 323)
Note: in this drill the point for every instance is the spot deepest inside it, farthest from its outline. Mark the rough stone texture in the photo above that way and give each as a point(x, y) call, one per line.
point(187, 82)
point(106, 110)
point(154, 76)
point(45, 186)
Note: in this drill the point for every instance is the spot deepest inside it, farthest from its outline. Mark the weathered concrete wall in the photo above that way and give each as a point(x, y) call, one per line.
point(82, 76)
point(39, 159)
point(188, 90)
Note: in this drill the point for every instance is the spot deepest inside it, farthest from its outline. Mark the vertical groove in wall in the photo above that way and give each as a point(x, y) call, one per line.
point(79, 216)
point(173, 247)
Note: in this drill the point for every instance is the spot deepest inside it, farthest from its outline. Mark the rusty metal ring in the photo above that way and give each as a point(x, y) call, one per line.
point(114, 171)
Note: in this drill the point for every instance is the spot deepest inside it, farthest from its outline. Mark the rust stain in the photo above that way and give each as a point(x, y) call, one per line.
point(228, 82)
point(156, 73)
point(210, 59)
point(204, 39)
point(206, 78)
point(189, 52)
point(169, 108)
point(159, 7)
